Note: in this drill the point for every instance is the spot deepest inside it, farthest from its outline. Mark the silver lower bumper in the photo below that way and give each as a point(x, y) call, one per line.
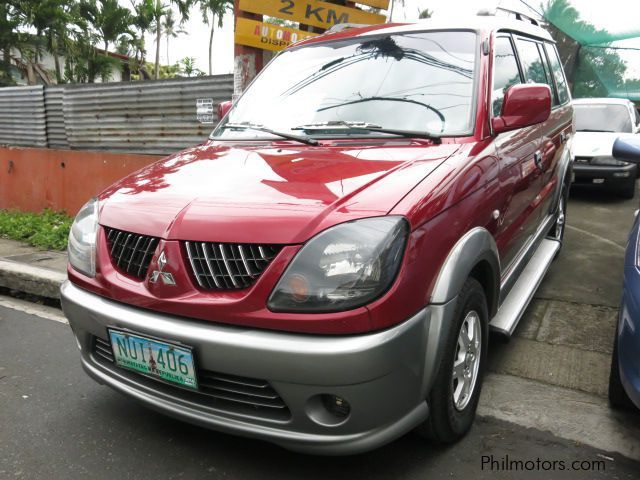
point(384, 375)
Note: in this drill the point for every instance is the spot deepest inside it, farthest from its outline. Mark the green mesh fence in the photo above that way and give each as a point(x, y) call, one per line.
point(599, 43)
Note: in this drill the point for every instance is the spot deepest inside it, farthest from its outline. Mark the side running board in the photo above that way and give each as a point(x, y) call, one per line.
point(515, 304)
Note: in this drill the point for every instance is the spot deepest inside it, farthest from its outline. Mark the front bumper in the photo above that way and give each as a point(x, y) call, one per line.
point(604, 176)
point(385, 376)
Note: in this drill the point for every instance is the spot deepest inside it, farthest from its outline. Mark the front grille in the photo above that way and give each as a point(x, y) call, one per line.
point(226, 392)
point(228, 266)
point(130, 252)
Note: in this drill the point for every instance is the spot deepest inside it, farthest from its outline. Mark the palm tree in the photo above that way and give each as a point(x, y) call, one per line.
point(171, 30)
point(392, 8)
point(211, 9)
point(142, 21)
point(426, 13)
point(188, 67)
point(110, 20)
point(9, 21)
point(159, 11)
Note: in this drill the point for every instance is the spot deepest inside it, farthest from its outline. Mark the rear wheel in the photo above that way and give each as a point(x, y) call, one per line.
point(618, 397)
point(454, 397)
point(557, 229)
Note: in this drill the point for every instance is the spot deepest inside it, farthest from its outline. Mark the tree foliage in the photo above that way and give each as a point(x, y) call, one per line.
point(79, 34)
point(210, 9)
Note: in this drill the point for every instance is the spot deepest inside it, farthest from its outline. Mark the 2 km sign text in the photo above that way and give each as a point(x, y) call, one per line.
point(311, 12)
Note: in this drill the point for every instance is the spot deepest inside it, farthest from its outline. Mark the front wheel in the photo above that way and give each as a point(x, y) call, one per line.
point(454, 397)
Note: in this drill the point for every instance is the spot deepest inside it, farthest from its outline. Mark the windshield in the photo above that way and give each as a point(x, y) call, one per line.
point(419, 82)
point(602, 118)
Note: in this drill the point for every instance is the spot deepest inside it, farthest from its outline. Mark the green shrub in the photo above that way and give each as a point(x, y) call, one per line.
point(48, 230)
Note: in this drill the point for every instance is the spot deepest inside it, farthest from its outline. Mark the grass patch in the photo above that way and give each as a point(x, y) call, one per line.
point(48, 230)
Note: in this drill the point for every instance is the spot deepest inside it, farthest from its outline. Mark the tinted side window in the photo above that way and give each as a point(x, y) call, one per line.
point(505, 72)
point(534, 65)
point(547, 71)
point(558, 73)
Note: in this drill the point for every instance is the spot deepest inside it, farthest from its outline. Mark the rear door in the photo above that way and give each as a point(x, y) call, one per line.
point(555, 132)
point(519, 176)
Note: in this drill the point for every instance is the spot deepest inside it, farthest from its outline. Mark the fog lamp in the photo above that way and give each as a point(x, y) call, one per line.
point(336, 405)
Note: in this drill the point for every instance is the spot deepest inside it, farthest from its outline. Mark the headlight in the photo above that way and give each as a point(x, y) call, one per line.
point(82, 239)
point(609, 161)
point(343, 267)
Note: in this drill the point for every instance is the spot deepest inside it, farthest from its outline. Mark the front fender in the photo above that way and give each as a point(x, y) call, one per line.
point(473, 248)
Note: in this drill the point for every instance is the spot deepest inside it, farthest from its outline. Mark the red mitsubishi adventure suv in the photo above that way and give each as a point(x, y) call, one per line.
point(324, 271)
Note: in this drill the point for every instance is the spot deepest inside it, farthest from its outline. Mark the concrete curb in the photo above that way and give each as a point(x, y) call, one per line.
point(569, 414)
point(26, 278)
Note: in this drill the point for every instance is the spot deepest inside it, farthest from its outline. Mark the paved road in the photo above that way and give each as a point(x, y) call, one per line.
point(57, 423)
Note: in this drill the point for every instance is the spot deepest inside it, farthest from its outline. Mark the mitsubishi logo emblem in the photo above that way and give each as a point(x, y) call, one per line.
point(166, 277)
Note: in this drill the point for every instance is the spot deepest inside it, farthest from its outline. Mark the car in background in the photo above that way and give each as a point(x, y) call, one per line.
point(599, 122)
point(624, 380)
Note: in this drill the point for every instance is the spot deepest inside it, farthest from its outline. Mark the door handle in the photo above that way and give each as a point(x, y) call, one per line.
point(537, 158)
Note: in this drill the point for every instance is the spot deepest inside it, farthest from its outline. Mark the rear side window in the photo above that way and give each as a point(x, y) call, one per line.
point(505, 72)
point(558, 74)
point(534, 65)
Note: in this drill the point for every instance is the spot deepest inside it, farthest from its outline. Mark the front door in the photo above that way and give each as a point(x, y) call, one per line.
point(520, 162)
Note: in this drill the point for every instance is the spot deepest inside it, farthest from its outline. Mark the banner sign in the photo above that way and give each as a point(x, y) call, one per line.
point(267, 36)
point(311, 12)
point(383, 4)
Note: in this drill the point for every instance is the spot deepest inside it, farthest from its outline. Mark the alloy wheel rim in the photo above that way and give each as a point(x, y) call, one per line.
point(560, 220)
point(466, 363)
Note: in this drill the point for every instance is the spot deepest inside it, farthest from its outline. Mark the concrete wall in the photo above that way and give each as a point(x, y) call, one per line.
point(32, 179)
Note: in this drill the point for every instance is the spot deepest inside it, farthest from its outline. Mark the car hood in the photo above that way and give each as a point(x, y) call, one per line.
point(595, 144)
point(268, 194)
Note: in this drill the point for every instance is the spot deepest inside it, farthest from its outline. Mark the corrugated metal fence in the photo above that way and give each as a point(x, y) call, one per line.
point(22, 117)
point(56, 134)
point(152, 117)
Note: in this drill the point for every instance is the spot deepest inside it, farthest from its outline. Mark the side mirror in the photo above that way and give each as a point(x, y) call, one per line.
point(224, 108)
point(627, 149)
point(524, 105)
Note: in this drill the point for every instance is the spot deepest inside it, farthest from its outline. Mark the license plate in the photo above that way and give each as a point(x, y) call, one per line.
point(598, 180)
point(162, 360)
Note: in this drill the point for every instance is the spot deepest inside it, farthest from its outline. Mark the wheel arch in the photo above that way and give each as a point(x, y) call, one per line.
point(474, 255)
point(564, 175)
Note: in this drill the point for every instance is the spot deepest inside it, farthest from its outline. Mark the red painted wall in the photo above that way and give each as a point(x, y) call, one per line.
point(32, 179)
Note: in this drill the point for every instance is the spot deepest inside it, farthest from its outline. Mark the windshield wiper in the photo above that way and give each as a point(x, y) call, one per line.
point(369, 127)
point(261, 128)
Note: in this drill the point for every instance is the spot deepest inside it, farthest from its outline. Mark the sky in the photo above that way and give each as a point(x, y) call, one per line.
point(619, 13)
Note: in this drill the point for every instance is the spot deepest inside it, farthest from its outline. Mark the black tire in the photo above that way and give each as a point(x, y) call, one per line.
point(629, 190)
point(618, 397)
point(446, 423)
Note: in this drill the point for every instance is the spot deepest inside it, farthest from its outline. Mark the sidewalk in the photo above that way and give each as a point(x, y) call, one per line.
point(31, 270)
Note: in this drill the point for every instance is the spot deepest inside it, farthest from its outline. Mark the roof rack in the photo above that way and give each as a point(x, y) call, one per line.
point(339, 27)
point(517, 14)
